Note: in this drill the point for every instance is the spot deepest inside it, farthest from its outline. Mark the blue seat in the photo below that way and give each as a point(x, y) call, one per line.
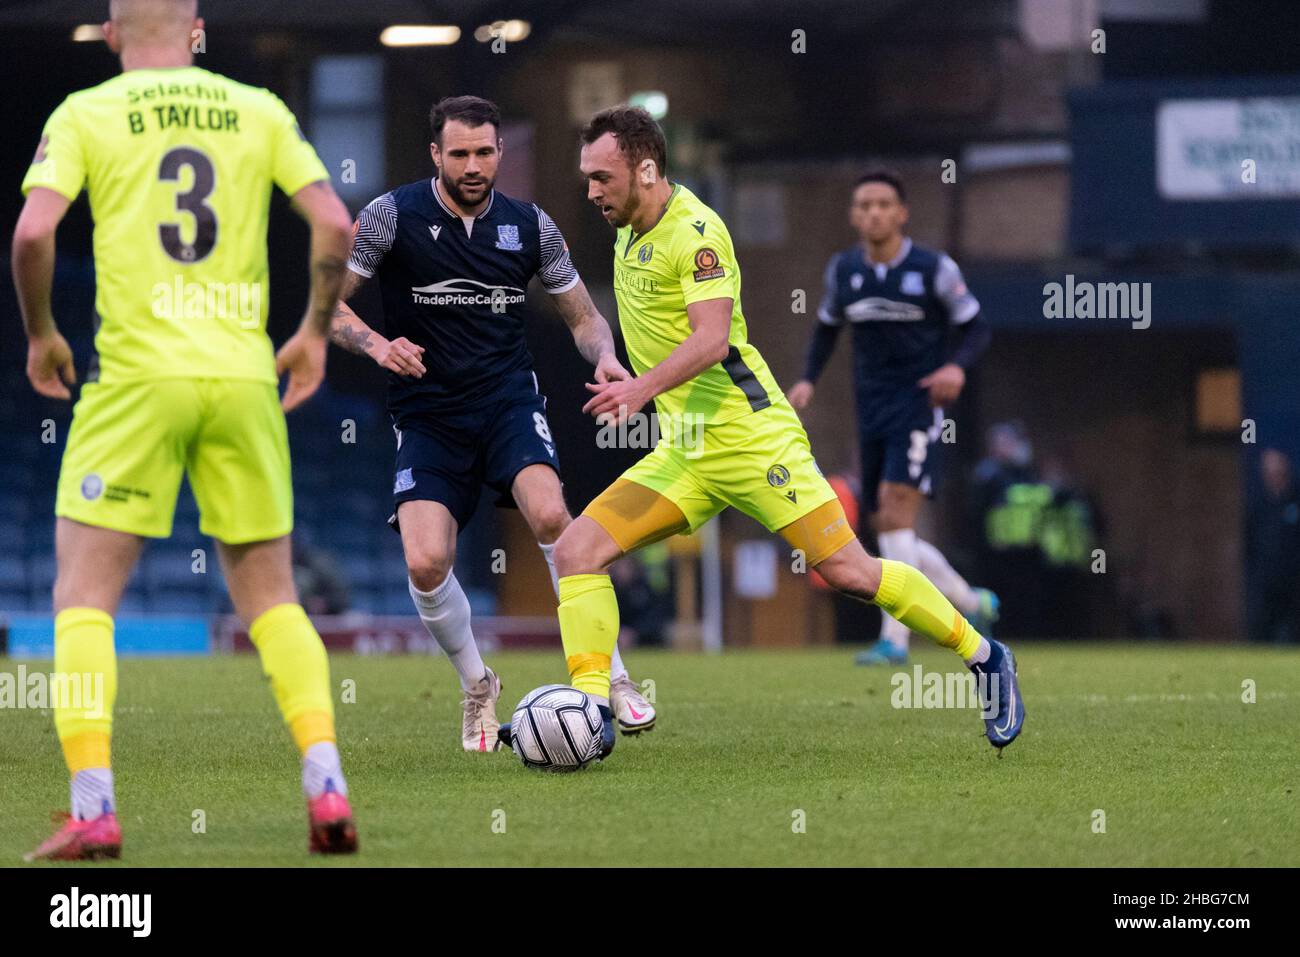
point(13, 572)
point(15, 599)
point(41, 569)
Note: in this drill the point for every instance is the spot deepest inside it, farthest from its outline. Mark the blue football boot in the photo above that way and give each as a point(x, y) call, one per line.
point(1003, 717)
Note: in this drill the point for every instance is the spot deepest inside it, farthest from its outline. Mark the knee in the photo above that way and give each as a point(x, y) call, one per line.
point(892, 513)
point(857, 576)
point(573, 556)
point(428, 567)
point(549, 524)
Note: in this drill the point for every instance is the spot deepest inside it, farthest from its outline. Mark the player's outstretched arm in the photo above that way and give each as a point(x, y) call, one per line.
point(49, 359)
point(706, 345)
point(349, 331)
point(303, 356)
point(591, 333)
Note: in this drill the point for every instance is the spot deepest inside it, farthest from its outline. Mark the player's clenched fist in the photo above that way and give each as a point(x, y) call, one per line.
point(49, 366)
point(303, 357)
point(399, 355)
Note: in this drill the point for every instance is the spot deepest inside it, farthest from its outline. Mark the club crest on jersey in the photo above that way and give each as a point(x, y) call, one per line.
point(92, 486)
point(508, 238)
point(912, 284)
point(777, 476)
point(644, 253)
point(856, 281)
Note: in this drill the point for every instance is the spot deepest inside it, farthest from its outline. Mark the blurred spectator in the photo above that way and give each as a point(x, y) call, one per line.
point(1273, 553)
point(321, 588)
point(1037, 532)
point(645, 601)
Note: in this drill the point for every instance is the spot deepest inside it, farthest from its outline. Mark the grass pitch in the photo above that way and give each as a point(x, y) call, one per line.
point(749, 746)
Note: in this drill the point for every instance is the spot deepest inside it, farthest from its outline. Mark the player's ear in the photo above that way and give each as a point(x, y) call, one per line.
point(110, 36)
point(433, 153)
point(649, 174)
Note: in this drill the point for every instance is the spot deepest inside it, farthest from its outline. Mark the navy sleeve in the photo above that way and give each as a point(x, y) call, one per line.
point(973, 337)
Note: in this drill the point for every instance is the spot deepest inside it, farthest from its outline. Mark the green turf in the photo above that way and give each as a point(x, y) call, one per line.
point(1156, 736)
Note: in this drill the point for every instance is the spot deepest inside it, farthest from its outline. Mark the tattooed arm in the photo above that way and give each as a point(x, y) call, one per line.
point(591, 332)
point(349, 331)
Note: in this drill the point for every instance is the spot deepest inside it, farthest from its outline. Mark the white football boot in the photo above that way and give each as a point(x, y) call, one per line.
point(480, 726)
point(634, 713)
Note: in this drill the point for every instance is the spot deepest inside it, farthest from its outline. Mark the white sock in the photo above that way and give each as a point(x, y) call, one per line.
point(616, 667)
point(548, 552)
point(92, 793)
point(981, 654)
point(936, 568)
point(445, 613)
point(897, 546)
point(321, 765)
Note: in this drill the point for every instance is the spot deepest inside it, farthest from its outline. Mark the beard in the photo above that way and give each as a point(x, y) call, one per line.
point(457, 193)
point(624, 215)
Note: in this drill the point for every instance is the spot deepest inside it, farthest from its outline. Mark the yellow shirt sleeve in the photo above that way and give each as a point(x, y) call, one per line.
point(59, 163)
point(705, 263)
point(294, 163)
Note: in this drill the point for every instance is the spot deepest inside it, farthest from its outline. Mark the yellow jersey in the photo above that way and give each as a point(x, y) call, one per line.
point(178, 166)
point(687, 257)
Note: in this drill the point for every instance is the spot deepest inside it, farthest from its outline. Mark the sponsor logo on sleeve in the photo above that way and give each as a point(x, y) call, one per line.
point(707, 265)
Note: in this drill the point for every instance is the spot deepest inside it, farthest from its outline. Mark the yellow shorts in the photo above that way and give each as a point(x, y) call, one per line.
point(130, 443)
point(760, 464)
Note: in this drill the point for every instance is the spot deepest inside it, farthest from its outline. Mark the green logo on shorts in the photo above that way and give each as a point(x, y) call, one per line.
point(777, 476)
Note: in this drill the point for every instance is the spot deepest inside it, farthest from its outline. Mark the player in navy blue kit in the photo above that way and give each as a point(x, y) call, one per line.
point(903, 301)
point(453, 258)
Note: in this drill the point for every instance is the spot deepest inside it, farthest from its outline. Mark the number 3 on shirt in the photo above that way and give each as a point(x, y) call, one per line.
point(191, 201)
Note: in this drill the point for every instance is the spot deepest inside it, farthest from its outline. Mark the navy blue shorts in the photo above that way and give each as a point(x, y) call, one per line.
point(908, 456)
point(448, 457)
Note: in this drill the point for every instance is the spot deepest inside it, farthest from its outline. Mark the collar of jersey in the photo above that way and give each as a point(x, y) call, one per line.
point(633, 238)
point(433, 185)
point(893, 263)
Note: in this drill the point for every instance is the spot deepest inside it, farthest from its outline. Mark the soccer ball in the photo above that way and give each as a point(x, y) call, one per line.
point(556, 728)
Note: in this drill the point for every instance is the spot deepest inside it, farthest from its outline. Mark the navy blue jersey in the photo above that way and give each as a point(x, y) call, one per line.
point(900, 313)
point(456, 286)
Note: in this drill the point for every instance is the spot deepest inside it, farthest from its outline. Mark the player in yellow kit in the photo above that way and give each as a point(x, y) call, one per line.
point(730, 438)
point(178, 164)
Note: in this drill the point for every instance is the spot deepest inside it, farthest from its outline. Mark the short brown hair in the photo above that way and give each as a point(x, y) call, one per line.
point(639, 136)
point(470, 110)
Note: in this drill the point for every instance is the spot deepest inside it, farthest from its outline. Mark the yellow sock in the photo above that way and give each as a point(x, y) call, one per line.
point(85, 666)
point(912, 598)
point(589, 630)
point(294, 658)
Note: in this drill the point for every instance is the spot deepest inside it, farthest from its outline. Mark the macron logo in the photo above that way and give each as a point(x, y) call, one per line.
point(132, 911)
point(435, 230)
